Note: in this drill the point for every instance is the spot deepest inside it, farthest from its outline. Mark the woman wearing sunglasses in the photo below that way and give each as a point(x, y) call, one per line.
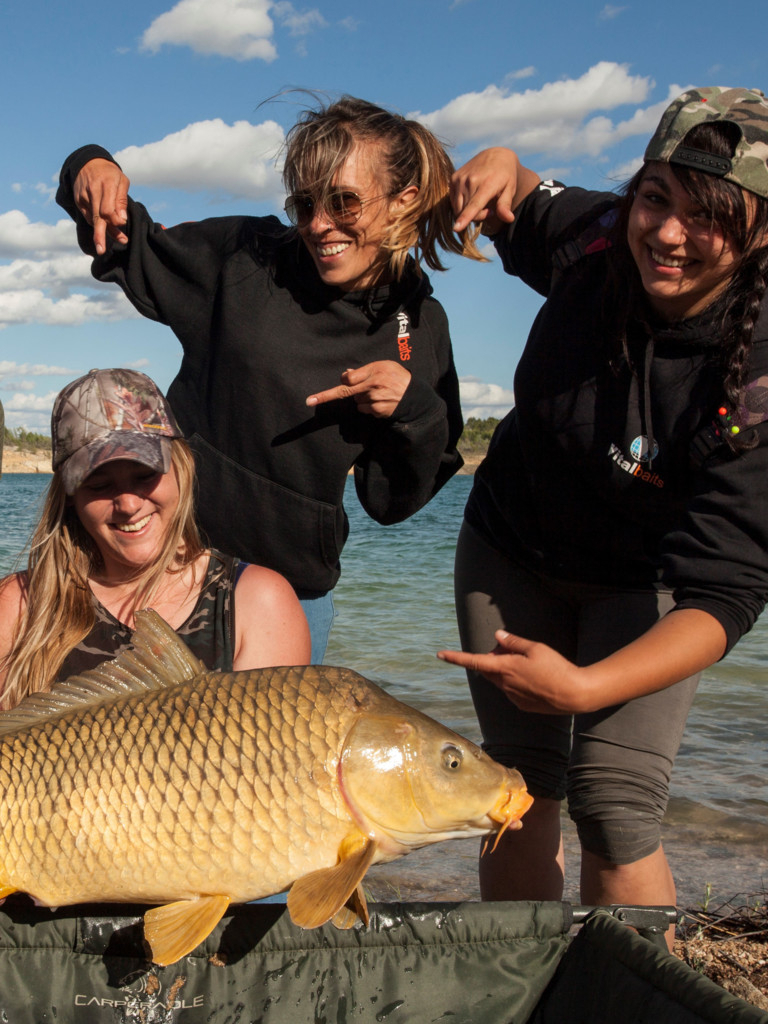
point(308, 349)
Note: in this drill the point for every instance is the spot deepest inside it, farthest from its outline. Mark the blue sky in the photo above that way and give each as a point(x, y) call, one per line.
point(195, 99)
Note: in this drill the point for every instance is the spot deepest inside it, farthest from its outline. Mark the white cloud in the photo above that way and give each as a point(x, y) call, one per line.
point(21, 402)
point(41, 291)
point(240, 29)
point(237, 160)
point(483, 400)
point(298, 23)
point(8, 367)
point(48, 291)
point(609, 12)
point(555, 119)
point(522, 73)
point(20, 236)
point(623, 172)
point(57, 275)
point(34, 306)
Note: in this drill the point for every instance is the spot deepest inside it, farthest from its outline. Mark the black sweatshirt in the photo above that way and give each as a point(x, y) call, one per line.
point(565, 488)
point(260, 332)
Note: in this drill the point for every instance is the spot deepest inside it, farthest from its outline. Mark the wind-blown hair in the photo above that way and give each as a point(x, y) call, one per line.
point(742, 219)
point(320, 142)
point(59, 611)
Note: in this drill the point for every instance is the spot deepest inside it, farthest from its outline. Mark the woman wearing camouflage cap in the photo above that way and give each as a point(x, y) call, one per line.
point(615, 541)
point(117, 533)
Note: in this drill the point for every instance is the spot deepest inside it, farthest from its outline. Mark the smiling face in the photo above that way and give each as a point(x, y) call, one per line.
point(351, 257)
point(127, 509)
point(685, 261)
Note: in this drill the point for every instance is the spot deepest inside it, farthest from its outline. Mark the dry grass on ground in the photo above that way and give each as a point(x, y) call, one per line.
point(729, 944)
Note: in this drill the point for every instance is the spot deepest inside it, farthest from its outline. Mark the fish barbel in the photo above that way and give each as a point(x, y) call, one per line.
point(151, 779)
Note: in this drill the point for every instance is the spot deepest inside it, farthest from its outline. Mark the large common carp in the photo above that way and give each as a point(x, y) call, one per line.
point(152, 779)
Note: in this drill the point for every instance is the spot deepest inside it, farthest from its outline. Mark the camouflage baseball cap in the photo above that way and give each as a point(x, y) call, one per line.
point(109, 415)
point(745, 108)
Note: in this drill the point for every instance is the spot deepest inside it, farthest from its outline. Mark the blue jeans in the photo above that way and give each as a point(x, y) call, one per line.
point(318, 607)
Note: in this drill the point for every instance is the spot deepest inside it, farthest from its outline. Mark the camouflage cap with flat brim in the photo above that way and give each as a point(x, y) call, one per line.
point(747, 109)
point(109, 415)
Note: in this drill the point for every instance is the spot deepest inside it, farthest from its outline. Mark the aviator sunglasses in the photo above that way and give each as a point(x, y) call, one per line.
point(341, 205)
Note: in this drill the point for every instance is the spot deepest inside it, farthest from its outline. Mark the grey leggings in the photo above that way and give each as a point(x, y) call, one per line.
point(613, 765)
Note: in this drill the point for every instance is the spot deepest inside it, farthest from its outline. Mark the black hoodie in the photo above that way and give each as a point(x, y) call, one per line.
point(260, 332)
point(568, 487)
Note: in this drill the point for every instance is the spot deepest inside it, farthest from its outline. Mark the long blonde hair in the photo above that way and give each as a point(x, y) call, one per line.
point(318, 145)
point(59, 608)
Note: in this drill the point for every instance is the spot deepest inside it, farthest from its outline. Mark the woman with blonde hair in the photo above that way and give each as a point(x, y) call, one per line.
point(117, 533)
point(310, 349)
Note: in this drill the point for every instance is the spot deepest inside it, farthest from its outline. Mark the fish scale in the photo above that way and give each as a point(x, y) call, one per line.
point(175, 780)
point(153, 780)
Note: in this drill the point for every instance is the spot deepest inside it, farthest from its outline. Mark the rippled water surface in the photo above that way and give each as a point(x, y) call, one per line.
point(395, 609)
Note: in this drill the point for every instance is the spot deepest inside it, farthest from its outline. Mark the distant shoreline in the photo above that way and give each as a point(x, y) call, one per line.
point(16, 461)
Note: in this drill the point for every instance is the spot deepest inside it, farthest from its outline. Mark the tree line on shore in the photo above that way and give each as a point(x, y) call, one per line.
point(26, 440)
point(477, 434)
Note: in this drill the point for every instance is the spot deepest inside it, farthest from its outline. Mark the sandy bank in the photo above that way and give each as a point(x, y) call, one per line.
point(15, 461)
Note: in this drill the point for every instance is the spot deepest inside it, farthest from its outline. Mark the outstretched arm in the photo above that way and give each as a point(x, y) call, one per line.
point(489, 188)
point(536, 678)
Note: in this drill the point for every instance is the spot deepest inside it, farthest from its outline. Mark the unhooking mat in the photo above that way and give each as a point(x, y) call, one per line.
point(459, 963)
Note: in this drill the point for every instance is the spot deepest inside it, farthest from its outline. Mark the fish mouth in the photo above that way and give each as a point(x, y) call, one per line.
point(508, 810)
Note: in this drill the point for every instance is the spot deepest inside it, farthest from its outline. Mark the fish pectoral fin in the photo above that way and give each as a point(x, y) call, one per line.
point(175, 929)
point(355, 909)
point(320, 895)
point(6, 890)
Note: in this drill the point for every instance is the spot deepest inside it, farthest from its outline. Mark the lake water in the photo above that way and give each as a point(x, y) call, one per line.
point(395, 609)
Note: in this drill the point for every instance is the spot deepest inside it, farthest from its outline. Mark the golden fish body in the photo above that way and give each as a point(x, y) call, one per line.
point(151, 779)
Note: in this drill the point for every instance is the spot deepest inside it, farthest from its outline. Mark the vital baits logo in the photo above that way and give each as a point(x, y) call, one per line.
point(403, 337)
point(636, 464)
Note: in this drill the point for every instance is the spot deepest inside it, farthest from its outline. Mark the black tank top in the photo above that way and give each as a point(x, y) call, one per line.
point(208, 632)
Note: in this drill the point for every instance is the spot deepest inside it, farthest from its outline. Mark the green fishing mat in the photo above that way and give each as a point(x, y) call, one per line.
point(459, 963)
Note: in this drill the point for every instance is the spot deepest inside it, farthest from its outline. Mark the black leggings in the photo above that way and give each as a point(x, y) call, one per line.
point(613, 765)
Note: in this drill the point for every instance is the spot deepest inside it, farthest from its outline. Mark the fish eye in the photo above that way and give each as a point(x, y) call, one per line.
point(452, 758)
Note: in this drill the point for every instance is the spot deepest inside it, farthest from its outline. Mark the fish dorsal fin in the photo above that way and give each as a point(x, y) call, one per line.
point(175, 929)
point(156, 659)
point(321, 895)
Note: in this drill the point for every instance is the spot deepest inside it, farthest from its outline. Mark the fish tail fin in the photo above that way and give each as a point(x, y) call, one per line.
point(175, 929)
